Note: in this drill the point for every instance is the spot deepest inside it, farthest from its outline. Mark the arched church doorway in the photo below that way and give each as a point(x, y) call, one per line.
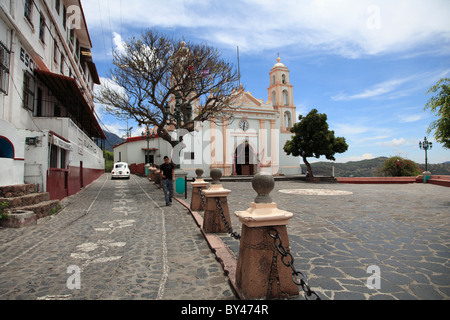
point(245, 160)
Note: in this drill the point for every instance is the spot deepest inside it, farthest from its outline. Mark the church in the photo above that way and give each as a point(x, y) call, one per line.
point(248, 143)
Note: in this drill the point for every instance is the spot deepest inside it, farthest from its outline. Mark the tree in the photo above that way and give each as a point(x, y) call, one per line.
point(440, 104)
point(399, 167)
point(151, 71)
point(313, 139)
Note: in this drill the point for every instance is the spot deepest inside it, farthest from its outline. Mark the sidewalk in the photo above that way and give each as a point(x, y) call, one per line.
point(125, 243)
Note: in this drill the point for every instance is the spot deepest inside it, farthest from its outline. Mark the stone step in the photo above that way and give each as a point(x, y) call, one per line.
point(26, 200)
point(19, 219)
point(42, 209)
point(17, 190)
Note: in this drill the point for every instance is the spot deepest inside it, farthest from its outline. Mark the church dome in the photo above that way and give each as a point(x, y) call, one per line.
point(279, 64)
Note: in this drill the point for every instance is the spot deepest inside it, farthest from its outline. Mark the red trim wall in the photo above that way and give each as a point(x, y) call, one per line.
point(62, 183)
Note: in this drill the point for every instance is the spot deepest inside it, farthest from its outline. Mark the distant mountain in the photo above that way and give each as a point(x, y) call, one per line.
point(366, 168)
point(111, 140)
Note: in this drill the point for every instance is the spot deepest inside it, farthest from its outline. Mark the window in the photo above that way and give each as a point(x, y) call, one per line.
point(6, 148)
point(283, 79)
point(77, 50)
point(62, 162)
point(4, 68)
point(189, 155)
point(28, 11)
point(64, 17)
point(61, 66)
point(273, 98)
point(55, 51)
point(287, 119)
point(42, 28)
point(53, 156)
point(285, 98)
point(72, 35)
point(273, 79)
point(28, 91)
point(57, 5)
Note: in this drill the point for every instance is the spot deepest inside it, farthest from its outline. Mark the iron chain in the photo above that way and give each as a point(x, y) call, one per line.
point(288, 261)
point(235, 235)
point(202, 197)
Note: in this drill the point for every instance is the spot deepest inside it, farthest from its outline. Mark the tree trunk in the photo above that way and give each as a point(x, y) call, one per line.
point(308, 166)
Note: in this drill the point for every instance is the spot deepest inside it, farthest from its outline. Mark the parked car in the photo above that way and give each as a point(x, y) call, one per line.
point(120, 170)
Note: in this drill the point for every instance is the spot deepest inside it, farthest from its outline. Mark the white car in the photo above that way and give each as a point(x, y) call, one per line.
point(120, 170)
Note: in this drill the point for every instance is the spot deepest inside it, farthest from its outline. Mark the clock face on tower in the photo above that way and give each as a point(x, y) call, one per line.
point(243, 125)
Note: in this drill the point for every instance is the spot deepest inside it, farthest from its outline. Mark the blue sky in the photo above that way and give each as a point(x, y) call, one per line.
point(366, 64)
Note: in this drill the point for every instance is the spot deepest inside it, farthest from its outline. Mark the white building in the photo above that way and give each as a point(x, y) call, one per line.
point(252, 142)
point(48, 128)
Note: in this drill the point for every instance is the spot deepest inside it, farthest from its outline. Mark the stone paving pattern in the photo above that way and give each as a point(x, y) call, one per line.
point(126, 242)
point(402, 229)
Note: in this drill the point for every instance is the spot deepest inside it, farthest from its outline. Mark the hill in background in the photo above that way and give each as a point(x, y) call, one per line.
point(366, 168)
point(112, 140)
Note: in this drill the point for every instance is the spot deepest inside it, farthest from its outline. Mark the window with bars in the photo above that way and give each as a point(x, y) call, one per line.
point(28, 91)
point(42, 28)
point(28, 11)
point(5, 55)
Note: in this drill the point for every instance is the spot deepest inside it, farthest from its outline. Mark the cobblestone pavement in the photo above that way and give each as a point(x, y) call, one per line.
point(115, 239)
point(404, 230)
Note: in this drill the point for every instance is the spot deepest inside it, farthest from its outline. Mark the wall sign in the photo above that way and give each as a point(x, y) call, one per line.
point(27, 60)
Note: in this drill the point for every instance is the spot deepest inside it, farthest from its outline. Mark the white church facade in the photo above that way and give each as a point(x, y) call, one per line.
point(251, 141)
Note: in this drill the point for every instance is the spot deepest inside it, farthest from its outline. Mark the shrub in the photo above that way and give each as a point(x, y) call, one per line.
point(399, 167)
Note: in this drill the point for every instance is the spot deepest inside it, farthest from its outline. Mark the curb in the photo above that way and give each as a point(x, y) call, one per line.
point(223, 254)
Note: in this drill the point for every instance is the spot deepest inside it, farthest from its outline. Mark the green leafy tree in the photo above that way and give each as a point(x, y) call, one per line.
point(399, 167)
point(440, 105)
point(313, 139)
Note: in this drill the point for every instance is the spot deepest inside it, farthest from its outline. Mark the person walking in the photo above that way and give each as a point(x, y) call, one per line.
point(168, 174)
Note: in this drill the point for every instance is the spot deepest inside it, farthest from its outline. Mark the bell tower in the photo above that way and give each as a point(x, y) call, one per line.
point(280, 93)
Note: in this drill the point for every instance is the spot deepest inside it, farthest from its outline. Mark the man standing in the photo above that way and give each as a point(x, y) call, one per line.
point(167, 171)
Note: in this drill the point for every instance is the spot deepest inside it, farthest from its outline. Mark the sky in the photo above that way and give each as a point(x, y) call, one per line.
point(366, 64)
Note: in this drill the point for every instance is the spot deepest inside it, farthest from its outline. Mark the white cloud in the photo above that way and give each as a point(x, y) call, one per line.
point(394, 143)
point(351, 28)
point(365, 156)
point(118, 42)
point(411, 118)
point(376, 90)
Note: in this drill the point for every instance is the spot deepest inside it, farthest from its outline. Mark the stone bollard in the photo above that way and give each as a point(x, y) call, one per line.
point(216, 202)
point(158, 177)
point(151, 173)
point(260, 272)
point(198, 186)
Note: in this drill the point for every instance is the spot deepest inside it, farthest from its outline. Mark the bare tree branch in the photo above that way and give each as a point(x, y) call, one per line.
point(155, 69)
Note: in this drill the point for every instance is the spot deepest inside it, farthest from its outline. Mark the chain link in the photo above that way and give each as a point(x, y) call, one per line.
point(235, 235)
point(202, 197)
point(288, 261)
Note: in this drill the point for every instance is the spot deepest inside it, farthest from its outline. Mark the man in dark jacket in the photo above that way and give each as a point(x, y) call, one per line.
point(168, 175)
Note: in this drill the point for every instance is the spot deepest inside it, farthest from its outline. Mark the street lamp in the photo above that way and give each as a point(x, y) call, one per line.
point(425, 145)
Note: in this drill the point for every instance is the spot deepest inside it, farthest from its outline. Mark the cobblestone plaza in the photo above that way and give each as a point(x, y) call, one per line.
point(128, 245)
point(339, 230)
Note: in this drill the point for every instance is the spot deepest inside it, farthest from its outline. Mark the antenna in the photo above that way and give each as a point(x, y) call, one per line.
point(239, 68)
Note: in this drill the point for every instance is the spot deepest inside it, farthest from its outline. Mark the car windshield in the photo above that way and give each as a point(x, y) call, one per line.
point(120, 165)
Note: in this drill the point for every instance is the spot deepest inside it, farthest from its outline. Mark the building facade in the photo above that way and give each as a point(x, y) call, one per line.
point(49, 133)
point(251, 141)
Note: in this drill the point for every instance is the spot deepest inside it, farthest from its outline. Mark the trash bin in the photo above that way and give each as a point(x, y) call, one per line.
point(426, 176)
